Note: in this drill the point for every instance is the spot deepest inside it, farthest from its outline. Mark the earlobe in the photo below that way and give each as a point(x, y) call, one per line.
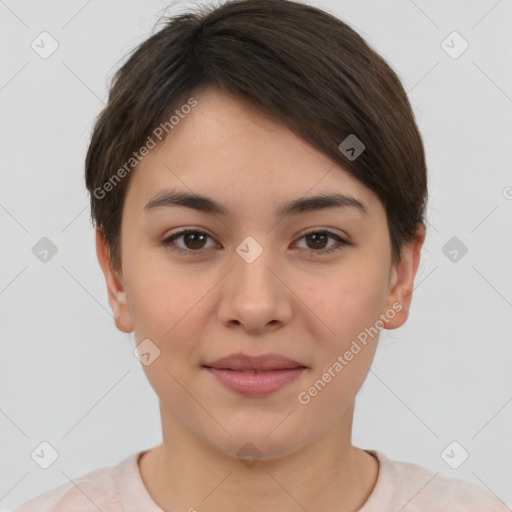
point(402, 282)
point(115, 288)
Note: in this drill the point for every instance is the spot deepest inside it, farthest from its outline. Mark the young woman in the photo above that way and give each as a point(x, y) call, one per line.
point(258, 185)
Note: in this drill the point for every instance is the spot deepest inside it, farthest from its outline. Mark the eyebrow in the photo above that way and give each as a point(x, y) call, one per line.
point(327, 200)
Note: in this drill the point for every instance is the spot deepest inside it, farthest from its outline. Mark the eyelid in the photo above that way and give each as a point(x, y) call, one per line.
point(167, 240)
point(326, 229)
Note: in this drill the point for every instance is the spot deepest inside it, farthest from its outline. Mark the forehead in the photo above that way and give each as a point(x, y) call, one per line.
point(228, 149)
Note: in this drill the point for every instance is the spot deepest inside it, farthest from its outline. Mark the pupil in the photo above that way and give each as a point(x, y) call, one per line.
point(315, 235)
point(192, 235)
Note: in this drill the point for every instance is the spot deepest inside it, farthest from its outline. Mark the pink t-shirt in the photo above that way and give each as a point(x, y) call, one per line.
point(400, 486)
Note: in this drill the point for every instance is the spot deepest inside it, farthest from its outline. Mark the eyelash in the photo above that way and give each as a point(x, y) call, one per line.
point(168, 242)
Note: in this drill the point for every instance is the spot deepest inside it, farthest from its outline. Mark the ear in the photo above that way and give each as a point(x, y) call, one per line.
point(401, 282)
point(115, 287)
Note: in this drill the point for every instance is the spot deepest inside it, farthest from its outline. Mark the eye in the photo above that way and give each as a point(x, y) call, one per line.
point(194, 238)
point(320, 237)
point(194, 241)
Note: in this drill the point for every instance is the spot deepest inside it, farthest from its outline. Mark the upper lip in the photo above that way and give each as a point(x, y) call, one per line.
point(240, 361)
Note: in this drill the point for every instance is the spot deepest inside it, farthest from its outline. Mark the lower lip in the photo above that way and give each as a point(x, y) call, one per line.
point(256, 384)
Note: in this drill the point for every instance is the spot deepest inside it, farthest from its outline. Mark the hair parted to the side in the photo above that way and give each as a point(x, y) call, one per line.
point(298, 64)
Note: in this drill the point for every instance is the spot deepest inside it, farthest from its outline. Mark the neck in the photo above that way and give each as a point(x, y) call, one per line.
point(329, 474)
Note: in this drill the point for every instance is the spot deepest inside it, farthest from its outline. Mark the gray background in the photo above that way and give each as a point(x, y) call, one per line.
point(69, 377)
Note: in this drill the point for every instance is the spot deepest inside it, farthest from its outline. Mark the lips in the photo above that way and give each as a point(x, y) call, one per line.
point(254, 364)
point(255, 376)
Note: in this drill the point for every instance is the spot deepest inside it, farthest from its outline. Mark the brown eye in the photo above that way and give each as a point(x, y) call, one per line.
point(193, 241)
point(316, 241)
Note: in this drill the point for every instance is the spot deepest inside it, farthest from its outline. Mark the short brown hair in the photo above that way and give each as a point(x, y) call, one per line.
point(298, 64)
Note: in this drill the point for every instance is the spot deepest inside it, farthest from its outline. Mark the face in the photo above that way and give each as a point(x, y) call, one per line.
point(250, 279)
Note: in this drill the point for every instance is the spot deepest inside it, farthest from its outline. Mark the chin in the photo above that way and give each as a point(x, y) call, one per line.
point(255, 443)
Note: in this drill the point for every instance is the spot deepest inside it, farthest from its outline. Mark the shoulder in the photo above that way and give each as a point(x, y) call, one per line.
point(416, 489)
point(90, 492)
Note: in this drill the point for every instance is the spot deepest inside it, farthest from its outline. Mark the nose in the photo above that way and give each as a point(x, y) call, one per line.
point(254, 295)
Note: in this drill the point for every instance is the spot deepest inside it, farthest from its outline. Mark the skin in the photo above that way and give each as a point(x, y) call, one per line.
point(290, 300)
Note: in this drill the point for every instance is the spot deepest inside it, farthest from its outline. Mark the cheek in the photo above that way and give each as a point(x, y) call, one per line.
point(171, 308)
point(161, 298)
point(168, 310)
point(347, 302)
point(349, 305)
